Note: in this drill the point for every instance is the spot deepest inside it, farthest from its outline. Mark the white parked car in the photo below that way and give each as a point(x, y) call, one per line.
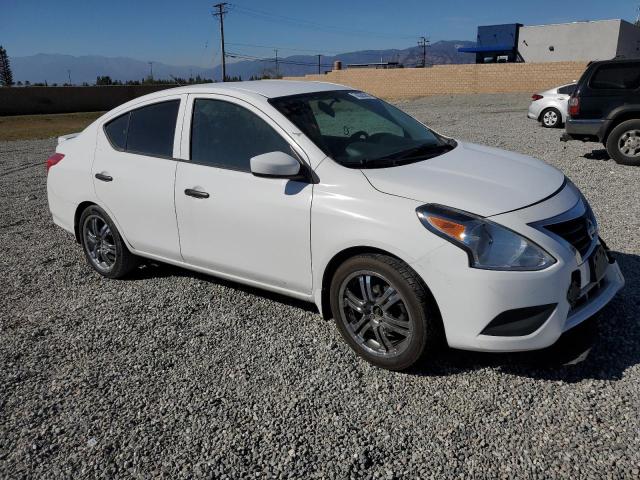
point(316, 191)
point(550, 107)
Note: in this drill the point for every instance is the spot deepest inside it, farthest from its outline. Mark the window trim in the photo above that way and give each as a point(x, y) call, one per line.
point(304, 166)
point(128, 113)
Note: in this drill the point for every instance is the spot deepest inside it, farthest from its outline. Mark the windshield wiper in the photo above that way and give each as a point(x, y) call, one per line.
point(420, 152)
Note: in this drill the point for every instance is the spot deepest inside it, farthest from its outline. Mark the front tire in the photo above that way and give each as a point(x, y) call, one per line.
point(623, 143)
point(551, 118)
point(103, 246)
point(383, 311)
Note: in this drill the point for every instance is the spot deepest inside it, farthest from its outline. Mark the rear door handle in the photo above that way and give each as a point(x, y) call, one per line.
point(196, 193)
point(103, 177)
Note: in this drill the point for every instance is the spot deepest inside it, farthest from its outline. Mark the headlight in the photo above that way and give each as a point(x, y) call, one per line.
point(489, 245)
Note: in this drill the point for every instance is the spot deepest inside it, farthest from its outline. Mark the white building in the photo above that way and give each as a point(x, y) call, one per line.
point(579, 41)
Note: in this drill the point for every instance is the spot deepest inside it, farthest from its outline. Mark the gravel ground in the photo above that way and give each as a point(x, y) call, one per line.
point(175, 374)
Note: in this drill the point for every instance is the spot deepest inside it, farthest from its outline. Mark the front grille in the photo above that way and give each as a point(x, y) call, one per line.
point(576, 232)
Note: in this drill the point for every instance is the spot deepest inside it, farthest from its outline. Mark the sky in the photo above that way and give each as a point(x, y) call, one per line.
point(185, 32)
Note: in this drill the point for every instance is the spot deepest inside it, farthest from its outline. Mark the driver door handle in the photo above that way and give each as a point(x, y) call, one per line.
point(103, 177)
point(196, 193)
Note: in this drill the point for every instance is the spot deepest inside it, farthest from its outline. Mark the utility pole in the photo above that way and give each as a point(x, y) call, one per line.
point(69, 74)
point(423, 42)
point(220, 15)
point(277, 71)
point(319, 55)
point(150, 70)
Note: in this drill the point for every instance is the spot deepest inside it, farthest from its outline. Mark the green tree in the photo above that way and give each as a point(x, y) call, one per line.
point(6, 76)
point(104, 80)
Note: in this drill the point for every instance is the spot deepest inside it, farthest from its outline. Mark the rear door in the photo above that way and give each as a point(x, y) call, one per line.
point(134, 173)
point(231, 221)
point(609, 86)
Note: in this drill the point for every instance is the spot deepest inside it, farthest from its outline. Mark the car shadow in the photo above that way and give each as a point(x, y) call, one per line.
point(598, 154)
point(601, 348)
point(152, 269)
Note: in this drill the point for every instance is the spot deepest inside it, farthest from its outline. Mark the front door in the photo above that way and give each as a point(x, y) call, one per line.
point(230, 221)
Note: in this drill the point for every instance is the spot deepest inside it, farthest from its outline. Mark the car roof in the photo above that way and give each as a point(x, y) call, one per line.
point(264, 88)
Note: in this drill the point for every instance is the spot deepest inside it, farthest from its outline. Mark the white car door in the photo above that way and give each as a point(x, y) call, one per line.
point(134, 172)
point(231, 222)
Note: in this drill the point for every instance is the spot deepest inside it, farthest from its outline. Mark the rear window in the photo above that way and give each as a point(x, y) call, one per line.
point(567, 89)
point(152, 128)
point(116, 131)
point(147, 130)
point(617, 76)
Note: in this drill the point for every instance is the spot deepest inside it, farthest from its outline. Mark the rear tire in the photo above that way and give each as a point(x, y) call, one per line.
point(623, 143)
point(384, 312)
point(103, 246)
point(551, 118)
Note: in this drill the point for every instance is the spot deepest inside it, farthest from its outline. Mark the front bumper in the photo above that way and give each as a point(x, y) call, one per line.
point(469, 299)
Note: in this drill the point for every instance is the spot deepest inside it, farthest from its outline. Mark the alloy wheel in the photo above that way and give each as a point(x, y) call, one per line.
point(375, 314)
point(550, 118)
point(99, 243)
point(629, 143)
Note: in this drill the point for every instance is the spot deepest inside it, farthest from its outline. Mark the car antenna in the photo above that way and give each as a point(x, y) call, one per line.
point(176, 80)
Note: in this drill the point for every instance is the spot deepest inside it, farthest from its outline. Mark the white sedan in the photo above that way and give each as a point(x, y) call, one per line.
point(314, 190)
point(550, 107)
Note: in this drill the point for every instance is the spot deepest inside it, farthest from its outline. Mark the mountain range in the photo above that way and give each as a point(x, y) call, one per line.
point(56, 68)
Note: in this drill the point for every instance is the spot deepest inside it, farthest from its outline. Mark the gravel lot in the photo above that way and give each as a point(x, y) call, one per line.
point(175, 374)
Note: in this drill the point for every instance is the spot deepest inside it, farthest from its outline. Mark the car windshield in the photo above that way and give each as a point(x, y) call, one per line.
point(361, 131)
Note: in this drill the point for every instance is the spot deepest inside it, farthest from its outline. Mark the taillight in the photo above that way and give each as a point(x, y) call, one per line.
point(574, 106)
point(536, 96)
point(54, 159)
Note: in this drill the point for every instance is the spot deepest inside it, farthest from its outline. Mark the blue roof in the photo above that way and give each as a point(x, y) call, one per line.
point(488, 48)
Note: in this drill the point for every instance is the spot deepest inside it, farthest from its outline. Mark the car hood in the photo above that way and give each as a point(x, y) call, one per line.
point(482, 180)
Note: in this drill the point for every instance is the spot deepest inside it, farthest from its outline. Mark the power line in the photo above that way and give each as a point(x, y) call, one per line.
point(220, 14)
point(271, 47)
point(243, 56)
point(263, 15)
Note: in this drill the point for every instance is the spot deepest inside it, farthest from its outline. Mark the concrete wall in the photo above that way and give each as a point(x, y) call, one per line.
point(580, 41)
point(33, 100)
point(455, 79)
point(629, 40)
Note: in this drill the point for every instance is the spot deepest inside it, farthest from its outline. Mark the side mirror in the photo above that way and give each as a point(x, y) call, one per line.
point(275, 165)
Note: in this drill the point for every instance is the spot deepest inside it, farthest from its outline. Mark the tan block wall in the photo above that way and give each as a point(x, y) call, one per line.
point(455, 79)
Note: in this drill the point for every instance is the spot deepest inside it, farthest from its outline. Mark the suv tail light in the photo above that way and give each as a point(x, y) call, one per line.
point(536, 96)
point(574, 106)
point(54, 159)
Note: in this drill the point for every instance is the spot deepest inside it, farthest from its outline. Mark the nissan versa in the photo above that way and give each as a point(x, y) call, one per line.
point(327, 194)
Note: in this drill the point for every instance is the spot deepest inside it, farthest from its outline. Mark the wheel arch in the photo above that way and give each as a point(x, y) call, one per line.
point(342, 256)
point(552, 106)
point(82, 206)
point(76, 217)
point(618, 118)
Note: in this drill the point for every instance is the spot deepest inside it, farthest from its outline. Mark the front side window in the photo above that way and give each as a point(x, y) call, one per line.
point(358, 130)
point(617, 76)
point(146, 130)
point(227, 135)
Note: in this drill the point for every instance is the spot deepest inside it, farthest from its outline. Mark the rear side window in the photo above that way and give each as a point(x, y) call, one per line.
point(147, 130)
point(116, 131)
point(617, 76)
point(226, 135)
point(567, 89)
point(152, 128)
